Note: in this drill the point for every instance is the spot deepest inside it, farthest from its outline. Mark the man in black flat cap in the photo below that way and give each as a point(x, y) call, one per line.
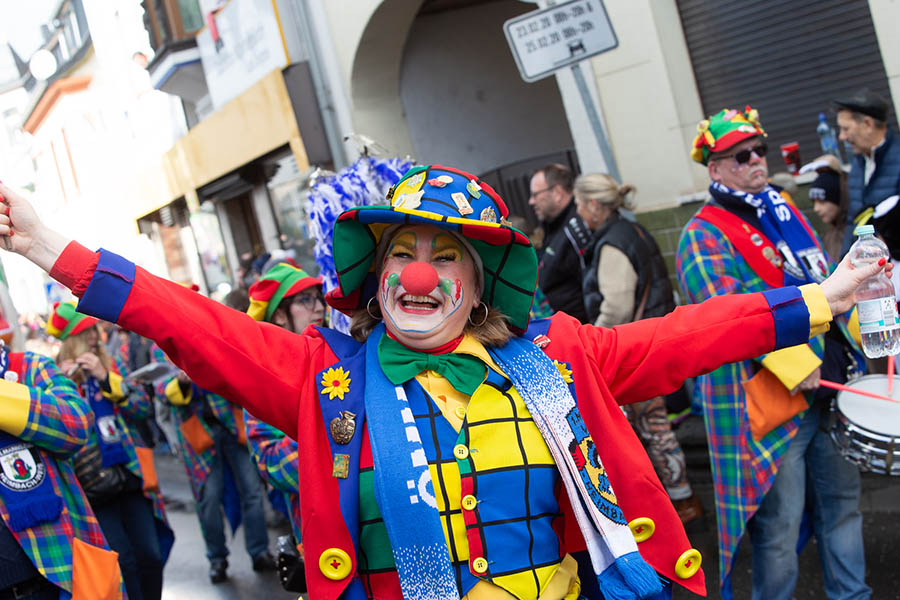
point(875, 172)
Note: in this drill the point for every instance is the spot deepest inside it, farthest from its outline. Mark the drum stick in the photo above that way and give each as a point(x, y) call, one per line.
point(847, 388)
point(890, 375)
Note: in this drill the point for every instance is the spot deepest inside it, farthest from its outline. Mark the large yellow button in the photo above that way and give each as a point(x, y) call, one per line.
point(460, 412)
point(479, 565)
point(642, 528)
point(469, 502)
point(688, 563)
point(460, 452)
point(335, 564)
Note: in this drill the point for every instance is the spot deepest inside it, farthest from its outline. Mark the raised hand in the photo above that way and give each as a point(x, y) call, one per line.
point(21, 231)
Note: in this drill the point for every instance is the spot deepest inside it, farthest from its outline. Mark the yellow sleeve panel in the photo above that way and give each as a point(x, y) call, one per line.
point(853, 327)
point(15, 406)
point(792, 365)
point(820, 316)
point(115, 387)
point(173, 393)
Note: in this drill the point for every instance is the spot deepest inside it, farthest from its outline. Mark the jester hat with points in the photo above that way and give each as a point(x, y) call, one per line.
point(65, 321)
point(723, 130)
point(449, 199)
point(279, 282)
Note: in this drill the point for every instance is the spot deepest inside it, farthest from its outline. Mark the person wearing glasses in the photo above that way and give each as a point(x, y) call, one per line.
point(565, 239)
point(765, 422)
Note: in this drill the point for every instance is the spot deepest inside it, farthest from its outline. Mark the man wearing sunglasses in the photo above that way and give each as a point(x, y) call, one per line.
point(746, 238)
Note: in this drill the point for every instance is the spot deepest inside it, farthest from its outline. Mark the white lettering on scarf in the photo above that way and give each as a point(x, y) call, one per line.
point(416, 455)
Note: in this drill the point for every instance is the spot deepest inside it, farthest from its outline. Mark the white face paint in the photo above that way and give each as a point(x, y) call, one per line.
point(441, 282)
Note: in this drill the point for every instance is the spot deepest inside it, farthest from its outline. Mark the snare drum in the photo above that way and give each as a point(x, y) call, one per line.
point(867, 430)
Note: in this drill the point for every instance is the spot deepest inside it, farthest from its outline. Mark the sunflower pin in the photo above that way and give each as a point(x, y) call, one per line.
point(564, 370)
point(335, 382)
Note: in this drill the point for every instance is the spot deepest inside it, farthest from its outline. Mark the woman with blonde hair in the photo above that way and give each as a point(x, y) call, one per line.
point(114, 469)
point(627, 281)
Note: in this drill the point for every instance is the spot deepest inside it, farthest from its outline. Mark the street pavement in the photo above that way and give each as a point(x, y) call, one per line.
point(187, 572)
point(186, 576)
point(880, 505)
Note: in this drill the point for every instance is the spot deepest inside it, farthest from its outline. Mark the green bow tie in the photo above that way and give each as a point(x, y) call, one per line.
point(400, 364)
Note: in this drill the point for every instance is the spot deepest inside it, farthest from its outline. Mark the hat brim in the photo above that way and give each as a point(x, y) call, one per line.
point(508, 258)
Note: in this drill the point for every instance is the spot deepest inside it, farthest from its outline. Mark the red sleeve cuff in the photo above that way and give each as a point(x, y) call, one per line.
point(75, 267)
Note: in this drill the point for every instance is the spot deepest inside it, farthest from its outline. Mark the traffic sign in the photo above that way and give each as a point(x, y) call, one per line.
point(544, 41)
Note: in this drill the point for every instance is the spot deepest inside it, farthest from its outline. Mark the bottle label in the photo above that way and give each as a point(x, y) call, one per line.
point(877, 315)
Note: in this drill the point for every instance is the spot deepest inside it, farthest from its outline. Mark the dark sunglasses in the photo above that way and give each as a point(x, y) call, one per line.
point(743, 157)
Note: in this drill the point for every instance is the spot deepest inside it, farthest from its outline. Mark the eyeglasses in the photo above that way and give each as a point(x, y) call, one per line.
point(309, 301)
point(743, 157)
point(539, 192)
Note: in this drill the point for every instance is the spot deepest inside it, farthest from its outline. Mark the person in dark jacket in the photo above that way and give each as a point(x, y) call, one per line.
point(875, 170)
point(626, 281)
point(565, 239)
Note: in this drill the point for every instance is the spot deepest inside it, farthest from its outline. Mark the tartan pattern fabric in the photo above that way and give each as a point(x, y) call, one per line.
point(743, 469)
point(511, 473)
point(59, 423)
point(135, 406)
point(197, 464)
point(275, 455)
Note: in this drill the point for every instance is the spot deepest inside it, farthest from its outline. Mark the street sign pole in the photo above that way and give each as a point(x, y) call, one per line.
point(596, 125)
point(563, 35)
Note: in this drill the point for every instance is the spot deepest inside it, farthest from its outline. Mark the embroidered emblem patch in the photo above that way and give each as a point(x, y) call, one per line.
point(541, 341)
point(21, 469)
point(473, 188)
point(335, 382)
point(440, 181)
point(109, 429)
point(591, 471)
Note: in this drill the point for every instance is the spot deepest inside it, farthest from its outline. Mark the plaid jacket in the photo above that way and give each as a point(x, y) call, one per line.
point(132, 403)
point(59, 423)
point(275, 454)
point(743, 469)
point(197, 464)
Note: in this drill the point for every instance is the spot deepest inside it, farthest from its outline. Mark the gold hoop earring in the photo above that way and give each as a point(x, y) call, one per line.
point(484, 320)
point(369, 309)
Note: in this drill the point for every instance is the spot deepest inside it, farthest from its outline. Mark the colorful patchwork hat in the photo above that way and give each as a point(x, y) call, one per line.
point(452, 200)
point(278, 283)
point(723, 130)
point(66, 321)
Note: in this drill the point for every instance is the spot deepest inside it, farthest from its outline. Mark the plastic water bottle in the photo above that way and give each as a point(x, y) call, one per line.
point(876, 305)
point(827, 138)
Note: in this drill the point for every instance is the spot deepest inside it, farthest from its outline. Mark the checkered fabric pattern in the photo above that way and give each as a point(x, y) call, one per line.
point(509, 470)
point(275, 455)
point(743, 469)
point(58, 424)
point(134, 406)
point(197, 464)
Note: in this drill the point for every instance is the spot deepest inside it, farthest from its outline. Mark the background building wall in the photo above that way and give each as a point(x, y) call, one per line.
point(464, 100)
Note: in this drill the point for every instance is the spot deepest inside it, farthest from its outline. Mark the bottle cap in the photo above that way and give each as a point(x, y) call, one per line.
point(864, 229)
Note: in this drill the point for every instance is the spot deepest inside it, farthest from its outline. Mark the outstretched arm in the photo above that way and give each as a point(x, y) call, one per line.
point(260, 366)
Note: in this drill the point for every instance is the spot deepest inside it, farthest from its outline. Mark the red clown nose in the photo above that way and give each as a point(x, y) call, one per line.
point(419, 278)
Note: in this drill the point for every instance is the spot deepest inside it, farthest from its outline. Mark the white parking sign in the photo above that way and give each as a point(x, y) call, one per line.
point(546, 40)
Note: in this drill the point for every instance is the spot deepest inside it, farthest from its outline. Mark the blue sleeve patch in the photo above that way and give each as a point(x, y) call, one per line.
point(790, 314)
point(109, 288)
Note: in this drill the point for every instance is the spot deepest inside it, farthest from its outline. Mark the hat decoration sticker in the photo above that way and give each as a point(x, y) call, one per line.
point(723, 130)
point(452, 200)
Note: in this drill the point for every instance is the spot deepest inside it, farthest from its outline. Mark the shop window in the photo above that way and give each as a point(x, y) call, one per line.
point(289, 190)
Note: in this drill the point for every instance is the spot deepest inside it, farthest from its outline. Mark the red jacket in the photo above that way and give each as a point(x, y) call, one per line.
point(271, 372)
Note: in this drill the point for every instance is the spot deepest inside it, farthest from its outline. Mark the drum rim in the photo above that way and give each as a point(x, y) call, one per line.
point(853, 423)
